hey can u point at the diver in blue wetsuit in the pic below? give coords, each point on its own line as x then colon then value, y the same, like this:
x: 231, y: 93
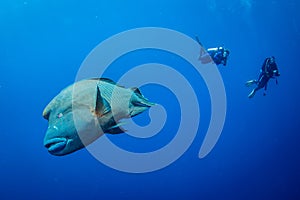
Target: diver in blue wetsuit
x: 268, y: 70
x: 218, y: 54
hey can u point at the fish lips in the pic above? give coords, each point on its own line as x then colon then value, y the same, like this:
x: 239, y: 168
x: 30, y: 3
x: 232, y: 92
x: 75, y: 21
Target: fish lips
x: 56, y: 146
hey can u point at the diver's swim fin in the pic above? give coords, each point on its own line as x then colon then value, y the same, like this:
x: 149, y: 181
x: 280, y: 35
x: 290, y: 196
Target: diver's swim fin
x: 197, y: 39
x: 252, y: 93
x: 251, y: 82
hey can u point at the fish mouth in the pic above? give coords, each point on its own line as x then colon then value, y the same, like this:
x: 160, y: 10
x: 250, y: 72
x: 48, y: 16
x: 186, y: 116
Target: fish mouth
x: 56, y: 145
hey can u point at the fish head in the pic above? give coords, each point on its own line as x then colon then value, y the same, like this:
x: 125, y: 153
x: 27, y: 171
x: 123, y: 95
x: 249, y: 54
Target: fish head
x: 72, y: 121
x: 61, y: 136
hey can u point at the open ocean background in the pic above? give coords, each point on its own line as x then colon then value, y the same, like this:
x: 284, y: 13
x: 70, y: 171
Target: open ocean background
x: 43, y: 43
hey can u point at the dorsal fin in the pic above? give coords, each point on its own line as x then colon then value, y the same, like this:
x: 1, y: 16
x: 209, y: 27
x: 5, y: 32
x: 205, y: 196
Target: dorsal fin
x: 105, y: 80
x: 108, y: 81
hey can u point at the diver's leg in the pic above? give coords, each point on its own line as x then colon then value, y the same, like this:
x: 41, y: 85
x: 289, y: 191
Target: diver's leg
x: 202, y: 52
x: 260, y: 84
x: 260, y: 75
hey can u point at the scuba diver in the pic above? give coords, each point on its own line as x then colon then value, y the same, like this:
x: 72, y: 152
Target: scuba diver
x: 218, y: 54
x: 268, y: 70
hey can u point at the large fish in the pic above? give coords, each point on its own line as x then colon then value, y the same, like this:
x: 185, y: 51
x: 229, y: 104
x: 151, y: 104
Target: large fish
x: 84, y: 111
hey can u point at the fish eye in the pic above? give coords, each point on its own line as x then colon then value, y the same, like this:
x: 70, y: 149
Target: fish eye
x: 59, y: 115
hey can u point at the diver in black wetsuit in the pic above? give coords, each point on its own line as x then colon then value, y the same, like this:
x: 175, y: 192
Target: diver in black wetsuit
x: 218, y: 54
x: 268, y: 70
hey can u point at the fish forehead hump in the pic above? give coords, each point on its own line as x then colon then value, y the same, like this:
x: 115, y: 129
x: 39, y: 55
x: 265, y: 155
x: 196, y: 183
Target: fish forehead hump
x: 85, y: 92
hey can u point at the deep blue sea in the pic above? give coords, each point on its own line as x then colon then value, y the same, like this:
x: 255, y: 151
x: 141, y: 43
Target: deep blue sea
x: 44, y: 43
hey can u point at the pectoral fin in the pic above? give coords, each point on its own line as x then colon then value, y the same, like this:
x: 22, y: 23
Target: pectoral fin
x: 102, y: 106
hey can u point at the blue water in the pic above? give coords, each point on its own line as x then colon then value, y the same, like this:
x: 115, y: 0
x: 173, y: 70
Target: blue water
x: 43, y: 43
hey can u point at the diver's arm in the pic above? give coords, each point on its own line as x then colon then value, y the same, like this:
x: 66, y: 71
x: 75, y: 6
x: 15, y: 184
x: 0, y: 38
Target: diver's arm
x: 264, y: 69
x: 275, y: 70
x: 276, y: 73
